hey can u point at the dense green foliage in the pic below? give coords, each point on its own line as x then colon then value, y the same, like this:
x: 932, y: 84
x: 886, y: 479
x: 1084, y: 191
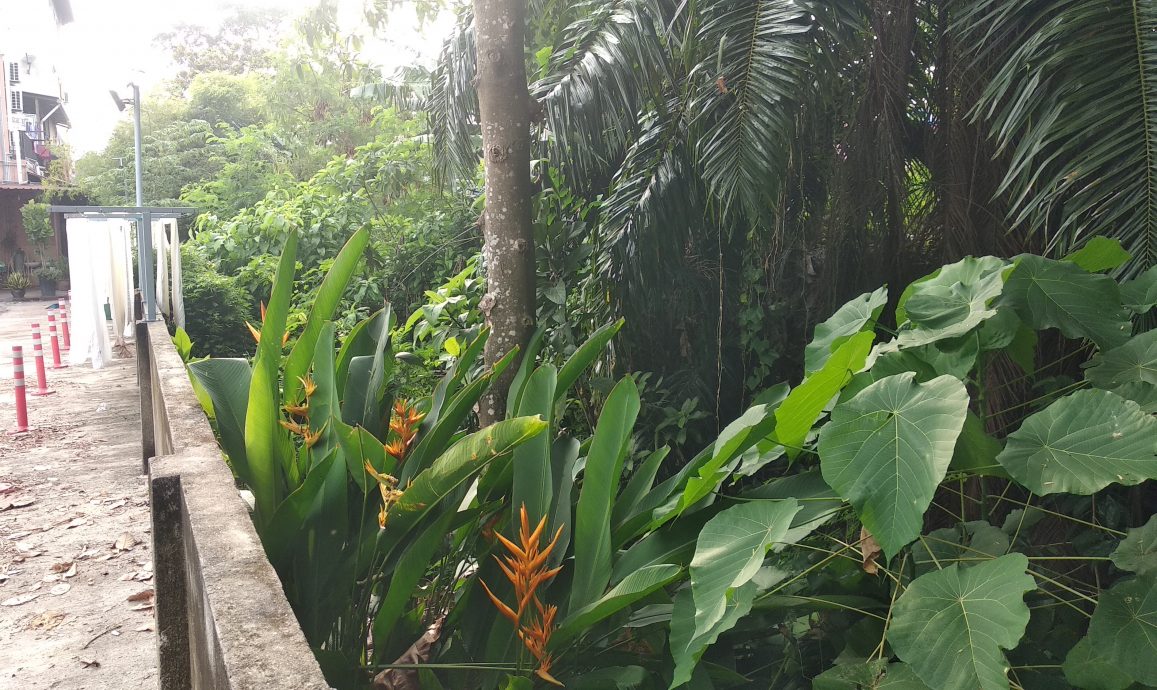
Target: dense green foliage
x: 216, y: 309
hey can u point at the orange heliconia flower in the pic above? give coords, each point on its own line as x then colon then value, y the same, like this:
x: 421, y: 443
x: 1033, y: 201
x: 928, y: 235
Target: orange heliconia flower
x: 525, y: 567
x: 308, y: 385
x: 404, y: 425
x: 388, y: 486
x: 256, y: 333
x: 293, y: 428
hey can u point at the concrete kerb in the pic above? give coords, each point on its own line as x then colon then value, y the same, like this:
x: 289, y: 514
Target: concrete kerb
x: 214, y: 584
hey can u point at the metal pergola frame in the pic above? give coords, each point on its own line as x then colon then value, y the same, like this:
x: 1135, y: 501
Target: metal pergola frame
x: 144, y: 216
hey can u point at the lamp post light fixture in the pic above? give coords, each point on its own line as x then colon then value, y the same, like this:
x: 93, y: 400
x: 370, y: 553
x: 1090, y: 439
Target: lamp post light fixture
x: 136, y: 103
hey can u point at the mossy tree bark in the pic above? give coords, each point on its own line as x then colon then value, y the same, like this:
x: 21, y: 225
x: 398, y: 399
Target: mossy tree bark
x: 504, y: 105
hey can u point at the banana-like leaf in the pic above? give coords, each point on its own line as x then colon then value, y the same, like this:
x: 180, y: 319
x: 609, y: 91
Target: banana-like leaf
x: 1082, y: 443
x: 950, y: 625
x: 729, y: 552
x: 325, y: 302
x: 641, y: 481
x: 525, y: 368
x: 1058, y: 294
x: 227, y: 383
x: 1122, y: 627
x: 857, y: 315
x: 804, y: 404
x: 411, y: 566
x: 533, y: 481
x: 582, y: 358
x: 632, y: 588
x: 751, y: 427
x: 460, y: 462
x: 359, y: 446
x: 283, y: 534
x: 1133, y: 362
x: 266, y: 444
x: 887, y: 449
x: 361, y: 342
x: 324, y: 406
x: 604, y: 468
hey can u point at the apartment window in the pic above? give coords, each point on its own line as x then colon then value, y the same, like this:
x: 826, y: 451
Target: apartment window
x: 17, y: 101
x: 14, y: 72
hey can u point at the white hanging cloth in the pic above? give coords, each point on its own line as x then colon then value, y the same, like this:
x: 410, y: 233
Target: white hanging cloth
x: 89, y: 273
x: 161, y: 247
x: 175, y: 269
x: 120, y: 292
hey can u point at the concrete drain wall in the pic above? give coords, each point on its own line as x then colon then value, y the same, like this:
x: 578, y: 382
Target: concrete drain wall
x: 222, y: 618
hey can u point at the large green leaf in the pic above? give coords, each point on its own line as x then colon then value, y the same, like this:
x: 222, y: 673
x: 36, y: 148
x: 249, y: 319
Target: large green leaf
x: 1100, y: 254
x: 640, y: 583
x: 533, y: 483
x: 324, y: 404
x: 741, y: 434
x: 796, y: 415
x: 1086, y: 669
x: 604, y: 468
x: 730, y: 550
x: 688, y: 644
x: 857, y: 315
x: 950, y: 625
x: 1137, y: 552
x: 887, y: 449
x: 265, y: 442
x: 1124, y: 628
x: 361, y: 342
x: 629, y: 499
x: 968, y: 543
x: 953, y: 301
x: 461, y: 461
x: 869, y: 675
x: 976, y: 450
x: 321, y: 310
x: 409, y: 569
x: 1082, y: 443
x: 1058, y: 294
x: 1135, y: 361
x: 227, y: 383
x: 1140, y: 294
x: 582, y: 358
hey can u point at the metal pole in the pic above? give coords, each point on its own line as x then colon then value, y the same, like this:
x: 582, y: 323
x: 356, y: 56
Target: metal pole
x: 137, y: 141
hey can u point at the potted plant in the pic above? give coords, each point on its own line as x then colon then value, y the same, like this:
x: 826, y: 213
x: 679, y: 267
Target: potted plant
x: 17, y: 283
x: 49, y: 273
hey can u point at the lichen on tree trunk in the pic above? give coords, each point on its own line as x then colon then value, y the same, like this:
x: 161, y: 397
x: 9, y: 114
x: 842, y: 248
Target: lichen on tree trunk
x: 504, y: 105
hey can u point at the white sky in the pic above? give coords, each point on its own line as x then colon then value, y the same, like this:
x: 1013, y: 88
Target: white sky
x: 110, y: 43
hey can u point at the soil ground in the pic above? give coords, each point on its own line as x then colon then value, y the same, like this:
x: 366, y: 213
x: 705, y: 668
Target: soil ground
x: 75, y: 565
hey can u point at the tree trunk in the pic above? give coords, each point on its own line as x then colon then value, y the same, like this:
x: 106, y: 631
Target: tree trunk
x: 504, y: 105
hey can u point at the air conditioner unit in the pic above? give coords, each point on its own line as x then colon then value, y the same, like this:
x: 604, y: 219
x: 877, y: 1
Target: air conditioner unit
x: 17, y: 101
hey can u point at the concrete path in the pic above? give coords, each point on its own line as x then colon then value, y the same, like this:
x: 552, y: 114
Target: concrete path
x: 75, y: 568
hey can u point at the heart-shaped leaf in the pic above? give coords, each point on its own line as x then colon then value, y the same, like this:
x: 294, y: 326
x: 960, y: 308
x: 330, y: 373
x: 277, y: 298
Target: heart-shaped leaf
x: 1137, y: 552
x: 848, y: 320
x: 1082, y: 443
x: 887, y: 449
x: 1133, y: 362
x: 1124, y: 628
x: 950, y: 625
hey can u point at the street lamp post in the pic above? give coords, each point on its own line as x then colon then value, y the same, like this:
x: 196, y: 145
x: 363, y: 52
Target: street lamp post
x: 144, y: 224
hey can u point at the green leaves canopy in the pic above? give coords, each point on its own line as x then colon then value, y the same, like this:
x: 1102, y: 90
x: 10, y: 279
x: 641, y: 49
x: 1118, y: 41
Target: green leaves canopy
x: 1124, y: 628
x: 950, y: 625
x: 850, y: 319
x: 887, y: 449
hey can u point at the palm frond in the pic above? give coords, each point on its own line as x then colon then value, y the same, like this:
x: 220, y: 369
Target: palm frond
x: 453, y: 105
x: 610, y: 62
x: 749, y: 81
x: 1074, y: 106
x: 653, y: 204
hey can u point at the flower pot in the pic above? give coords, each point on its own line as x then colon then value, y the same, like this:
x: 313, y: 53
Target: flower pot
x: 17, y: 294
x: 48, y: 287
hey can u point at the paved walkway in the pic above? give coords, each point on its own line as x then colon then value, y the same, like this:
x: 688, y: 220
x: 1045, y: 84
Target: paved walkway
x: 75, y: 569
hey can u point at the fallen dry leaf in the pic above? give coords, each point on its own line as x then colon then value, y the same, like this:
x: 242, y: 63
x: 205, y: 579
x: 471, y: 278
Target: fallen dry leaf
x: 143, y: 595
x: 88, y: 662
x: 20, y: 599
x: 125, y: 542
x: 147, y: 627
x: 62, y: 588
x: 22, y: 503
x: 77, y: 522
x: 141, y: 607
x: 5, y: 487
x: 869, y: 550
x: 45, y: 621
x: 63, y: 567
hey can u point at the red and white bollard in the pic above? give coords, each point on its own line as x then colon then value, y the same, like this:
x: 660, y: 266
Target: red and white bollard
x: 18, y: 381
x: 55, y: 344
x: 64, y: 325
x: 38, y: 355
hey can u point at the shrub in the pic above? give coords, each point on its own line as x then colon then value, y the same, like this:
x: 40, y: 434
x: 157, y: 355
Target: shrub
x: 215, y: 308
